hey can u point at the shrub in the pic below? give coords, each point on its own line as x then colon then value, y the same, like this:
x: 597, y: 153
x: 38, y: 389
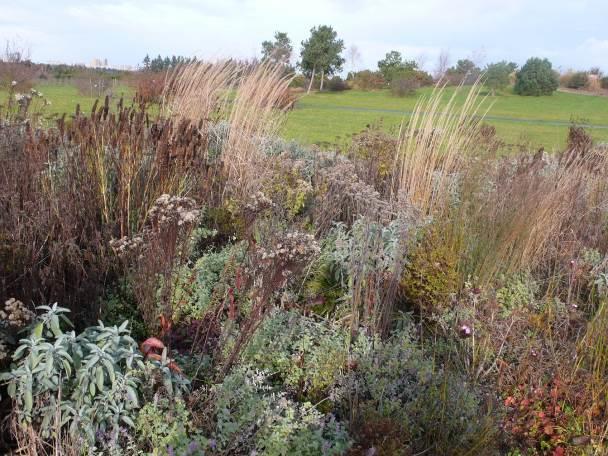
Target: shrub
x: 166, y: 428
x: 393, y: 380
x: 336, y: 84
x: 430, y: 277
x: 251, y: 416
x: 536, y: 78
x: 578, y: 80
x: 87, y: 384
x: 307, y: 356
x: 368, y: 80
x: 464, y: 72
x: 372, y: 152
x: 298, y: 82
x: 403, y: 85
x: 89, y: 381
x: 119, y: 304
x: 497, y: 75
x: 192, y: 297
x: 518, y: 292
x: 604, y: 82
x: 149, y: 87
x: 370, y: 259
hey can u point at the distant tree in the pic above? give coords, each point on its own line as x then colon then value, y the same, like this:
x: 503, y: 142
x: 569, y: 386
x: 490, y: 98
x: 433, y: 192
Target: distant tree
x: 393, y: 64
x: 464, y: 72
x: 15, y: 51
x: 353, y: 56
x: 443, y: 62
x: 497, y: 75
x: 146, y: 62
x: 279, y: 50
x: 536, y: 78
x: 321, y: 52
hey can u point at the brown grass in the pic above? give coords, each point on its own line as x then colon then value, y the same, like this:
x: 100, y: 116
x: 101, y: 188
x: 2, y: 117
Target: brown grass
x: 432, y: 147
x: 249, y: 97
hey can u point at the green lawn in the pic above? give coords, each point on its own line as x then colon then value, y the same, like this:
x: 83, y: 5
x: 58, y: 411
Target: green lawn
x: 332, y: 117
x: 64, y: 98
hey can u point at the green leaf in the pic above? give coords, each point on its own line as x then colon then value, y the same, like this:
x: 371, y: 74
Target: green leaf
x: 38, y: 330
x: 100, y: 378
x: 28, y: 400
x: 128, y: 421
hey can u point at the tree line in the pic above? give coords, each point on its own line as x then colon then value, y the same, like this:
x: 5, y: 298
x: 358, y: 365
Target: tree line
x: 323, y: 55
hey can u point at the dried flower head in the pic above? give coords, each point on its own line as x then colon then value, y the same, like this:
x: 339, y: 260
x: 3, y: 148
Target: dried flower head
x: 15, y: 314
x: 168, y: 210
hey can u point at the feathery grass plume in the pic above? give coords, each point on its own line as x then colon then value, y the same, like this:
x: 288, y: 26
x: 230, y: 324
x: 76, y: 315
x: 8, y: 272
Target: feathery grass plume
x: 249, y: 97
x: 199, y: 91
x: 255, y: 116
x: 432, y: 145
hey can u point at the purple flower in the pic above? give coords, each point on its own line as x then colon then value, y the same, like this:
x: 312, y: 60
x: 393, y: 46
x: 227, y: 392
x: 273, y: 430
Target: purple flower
x: 465, y: 331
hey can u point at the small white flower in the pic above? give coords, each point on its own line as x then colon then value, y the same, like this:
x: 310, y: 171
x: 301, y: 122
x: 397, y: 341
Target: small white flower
x: 14, y: 83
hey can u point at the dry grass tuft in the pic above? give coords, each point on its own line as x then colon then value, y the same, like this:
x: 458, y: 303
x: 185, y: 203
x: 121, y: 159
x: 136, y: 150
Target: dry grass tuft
x: 432, y: 146
x: 523, y: 215
x: 249, y: 97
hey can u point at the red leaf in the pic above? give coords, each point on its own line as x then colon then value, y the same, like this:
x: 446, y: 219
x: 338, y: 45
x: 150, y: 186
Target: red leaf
x: 150, y: 344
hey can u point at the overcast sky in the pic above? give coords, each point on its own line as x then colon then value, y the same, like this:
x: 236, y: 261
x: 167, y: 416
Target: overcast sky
x: 572, y: 33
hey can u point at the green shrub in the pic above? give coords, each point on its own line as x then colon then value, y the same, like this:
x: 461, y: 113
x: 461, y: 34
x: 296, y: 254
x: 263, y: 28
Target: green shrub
x: 166, y: 428
x: 306, y: 356
x: 430, y: 277
x: 87, y: 382
x: 536, y: 78
x: 119, y: 305
x: 90, y: 380
x: 192, y: 296
x: 251, y: 416
x: 434, y: 409
x: 497, y: 75
x: 518, y: 292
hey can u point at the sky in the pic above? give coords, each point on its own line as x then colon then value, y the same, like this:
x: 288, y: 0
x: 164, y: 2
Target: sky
x: 571, y: 33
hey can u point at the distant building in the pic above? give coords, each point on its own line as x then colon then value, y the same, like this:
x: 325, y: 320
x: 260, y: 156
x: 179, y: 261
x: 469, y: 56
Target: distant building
x: 103, y: 63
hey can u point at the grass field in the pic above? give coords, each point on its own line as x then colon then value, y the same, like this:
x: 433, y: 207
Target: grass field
x: 65, y: 97
x: 332, y: 117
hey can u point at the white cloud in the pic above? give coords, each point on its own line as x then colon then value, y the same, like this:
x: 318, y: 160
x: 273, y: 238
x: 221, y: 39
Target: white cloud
x: 125, y: 30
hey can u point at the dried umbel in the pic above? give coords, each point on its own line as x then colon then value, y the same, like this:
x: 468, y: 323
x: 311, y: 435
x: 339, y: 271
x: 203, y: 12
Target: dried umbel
x: 294, y: 247
x: 258, y: 202
x: 13, y: 317
x: 169, y: 210
x: 15, y: 314
x: 127, y: 245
